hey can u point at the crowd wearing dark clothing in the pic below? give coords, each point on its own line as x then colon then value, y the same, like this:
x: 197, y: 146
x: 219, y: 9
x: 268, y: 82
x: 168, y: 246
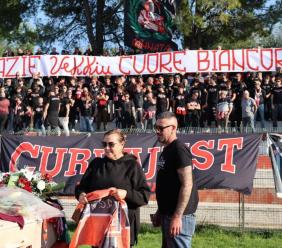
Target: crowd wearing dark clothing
x: 88, y: 104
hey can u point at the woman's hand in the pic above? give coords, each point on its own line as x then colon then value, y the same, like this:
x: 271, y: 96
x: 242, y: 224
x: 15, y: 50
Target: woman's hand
x: 82, y: 198
x: 119, y: 194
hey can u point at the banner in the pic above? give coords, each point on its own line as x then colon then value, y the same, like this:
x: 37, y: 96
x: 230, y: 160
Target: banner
x: 268, y: 59
x: 220, y: 161
x: 275, y: 150
x: 148, y: 25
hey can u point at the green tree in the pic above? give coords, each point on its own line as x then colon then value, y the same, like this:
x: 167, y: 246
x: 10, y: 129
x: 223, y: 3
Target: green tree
x: 274, y: 40
x: 11, y: 15
x: 72, y: 21
x: 15, y: 32
x: 229, y: 23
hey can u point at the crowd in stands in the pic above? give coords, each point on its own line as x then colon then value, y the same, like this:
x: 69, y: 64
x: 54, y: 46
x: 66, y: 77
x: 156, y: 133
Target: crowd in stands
x: 88, y: 104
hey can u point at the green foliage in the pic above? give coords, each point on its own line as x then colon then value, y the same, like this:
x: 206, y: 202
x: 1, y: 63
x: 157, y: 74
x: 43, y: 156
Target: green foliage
x: 14, y: 31
x: 274, y: 40
x: 201, y: 23
x: 11, y: 15
x: 231, y: 23
x: 23, y: 37
x: 66, y: 21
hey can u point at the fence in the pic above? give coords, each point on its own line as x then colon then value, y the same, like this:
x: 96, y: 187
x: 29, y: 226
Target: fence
x: 262, y: 209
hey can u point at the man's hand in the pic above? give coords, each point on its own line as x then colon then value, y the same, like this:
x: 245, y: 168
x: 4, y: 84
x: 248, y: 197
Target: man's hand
x: 175, y: 225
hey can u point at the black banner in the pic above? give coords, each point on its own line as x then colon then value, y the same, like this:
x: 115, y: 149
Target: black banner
x: 148, y: 25
x: 220, y: 161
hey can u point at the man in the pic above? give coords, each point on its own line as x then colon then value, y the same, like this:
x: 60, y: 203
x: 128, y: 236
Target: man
x: 276, y: 98
x: 259, y: 95
x: 249, y: 109
x: 176, y: 192
x: 239, y: 87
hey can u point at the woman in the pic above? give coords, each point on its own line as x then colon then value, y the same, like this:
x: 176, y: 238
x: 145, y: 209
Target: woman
x: 121, y: 172
x: 4, y: 109
x: 102, y: 109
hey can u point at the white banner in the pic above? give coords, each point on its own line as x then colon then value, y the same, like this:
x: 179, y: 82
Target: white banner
x: 264, y: 59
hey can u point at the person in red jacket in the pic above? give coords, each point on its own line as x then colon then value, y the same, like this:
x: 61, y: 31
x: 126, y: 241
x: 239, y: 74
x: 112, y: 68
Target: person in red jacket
x: 120, y: 172
x: 4, y: 109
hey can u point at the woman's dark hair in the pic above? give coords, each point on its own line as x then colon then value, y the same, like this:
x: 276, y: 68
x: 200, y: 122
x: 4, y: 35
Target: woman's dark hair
x: 118, y: 132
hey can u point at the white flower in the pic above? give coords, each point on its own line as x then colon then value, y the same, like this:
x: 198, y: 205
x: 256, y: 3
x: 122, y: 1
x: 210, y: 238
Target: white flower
x: 41, y: 185
x: 27, y: 173
x: 36, y: 176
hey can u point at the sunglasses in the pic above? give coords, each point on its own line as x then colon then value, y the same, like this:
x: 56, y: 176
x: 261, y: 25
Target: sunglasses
x: 161, y: 128
x: 108, y: 144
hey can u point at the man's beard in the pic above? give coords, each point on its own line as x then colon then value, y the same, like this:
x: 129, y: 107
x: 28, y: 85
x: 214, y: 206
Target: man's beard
x: 161, y: 139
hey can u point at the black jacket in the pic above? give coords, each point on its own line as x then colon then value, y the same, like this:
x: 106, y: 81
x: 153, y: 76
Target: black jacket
x: 124, y: 173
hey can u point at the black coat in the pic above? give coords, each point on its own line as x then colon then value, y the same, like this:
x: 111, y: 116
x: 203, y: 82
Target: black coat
x: 124, y: 173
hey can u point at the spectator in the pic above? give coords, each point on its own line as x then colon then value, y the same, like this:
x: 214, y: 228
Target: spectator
x: 19, y: 111
x: 51, y: 110
x: 102, y: 109
x: 73, y: 110
x: 249, y: 108
x: 109, y: 88
x: 20, y: 52
x: 38, y: 51
x: 194, y: 110
x: 239, y: 87
x: 88, y: 52
x: 267, y: 87
x: 54, y: 51
x: 118, y: 98
x: 77, y: 51
x: 85, y: 106
x: 162, y: 102
x: 4, y: 110
x: 212, y: 101
x: 9, y: 88
x: 149, y: 115
x: 127, y: 112
x: 64, y: 111
x: 259, y: 95
x: 180, y: 106
x: 277, y: 102
x: 27, y: 52
x: 8, y: 53
x: 138, y: 100
x: 38, y: 110
x: 223, y: 110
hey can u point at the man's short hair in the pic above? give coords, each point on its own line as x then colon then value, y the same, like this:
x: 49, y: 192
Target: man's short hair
x: 166, y: 115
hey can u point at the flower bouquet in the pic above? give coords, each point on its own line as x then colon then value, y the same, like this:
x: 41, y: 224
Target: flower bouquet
x: 35, y: 182
x: 15, y: 201
x: 27, y: 193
